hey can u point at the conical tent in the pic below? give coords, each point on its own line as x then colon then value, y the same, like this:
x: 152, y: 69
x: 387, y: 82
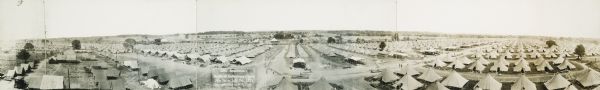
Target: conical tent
x: 544, y: 65
x: 436, y: 86
x: 437, y: 63
x: 321, y: 84
x: 493, y: 55
x: 571, y: 87
x: 430, y: 75
x: 521, y: 65
x: 557, y: 82
x: 457, y: 64
x: 466, y: 60
x: 455, y: 80
x: 589, y: 77
x: 477, y: 66
x: 499, y: 66
x: 388, y: 75
x: 522, y: 60
x: 523, y: 84
x: 508, y: 55
x: 408, y: 69
x: 483, y: 61
x: 408, y: 83
x: 539, y: 61
x: 489, y: 83
x: 559, y: 60
x: 286, y: 84
x: 566, y: 65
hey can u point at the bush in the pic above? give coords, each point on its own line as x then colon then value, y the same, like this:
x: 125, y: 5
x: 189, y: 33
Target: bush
x: 23, y: 55
x: 580, y: 51
x: 28, y: 46
x: 551, y: 43
x: 76, y: 44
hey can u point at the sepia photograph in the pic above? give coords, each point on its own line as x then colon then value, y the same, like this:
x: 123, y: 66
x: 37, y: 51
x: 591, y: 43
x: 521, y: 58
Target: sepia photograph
x: 299, y: 44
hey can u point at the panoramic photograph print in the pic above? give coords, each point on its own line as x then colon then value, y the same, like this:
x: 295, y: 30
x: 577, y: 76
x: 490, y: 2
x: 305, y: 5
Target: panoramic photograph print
x: 299, y: 44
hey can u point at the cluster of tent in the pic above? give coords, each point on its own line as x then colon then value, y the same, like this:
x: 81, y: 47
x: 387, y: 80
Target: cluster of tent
x: 521, y: 65
x: 227, y: 53
x: 586, y: 78
x: 18, y: 70
x: 332, y: 52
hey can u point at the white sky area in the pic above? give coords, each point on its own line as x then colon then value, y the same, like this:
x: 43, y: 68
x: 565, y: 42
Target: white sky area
x: 75, y: 18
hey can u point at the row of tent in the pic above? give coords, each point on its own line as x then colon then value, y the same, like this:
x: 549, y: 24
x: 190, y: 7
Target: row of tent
x: 521, y: 65
x: 18, y: 70
x: 586, y: 78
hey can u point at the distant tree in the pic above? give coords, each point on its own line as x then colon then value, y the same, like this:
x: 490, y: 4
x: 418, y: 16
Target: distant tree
x: 381, y: 46
x: 301, y: 40
x: 23, y: 55
x: 157, y: 41
x: 395, y: 37
x: 551, y: 43
x: 76, y: 44
x: 330, y: 40
x: 580, y: 51
x: 129, y: 43
x: 28, y: 46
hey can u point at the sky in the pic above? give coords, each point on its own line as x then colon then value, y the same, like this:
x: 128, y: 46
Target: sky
x: 76, y: 18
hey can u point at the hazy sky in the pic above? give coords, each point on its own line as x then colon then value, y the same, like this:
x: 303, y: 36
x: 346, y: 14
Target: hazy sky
x: 65, y: 18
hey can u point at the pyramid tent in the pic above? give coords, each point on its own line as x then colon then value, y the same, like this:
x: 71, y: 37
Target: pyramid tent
x: 523, y: 84
x: 557, y: 82
x: 454, y: 80
x: 544, y: 65
x: 589, y: 77
x: 508, y: 55
x: 559, y: 60
x: 499, y: 66
x: 285, y: 84
x: 522, y: 60
x: 448, y: 58
x: 571, y: 87
x: 456, y: 64
x: 521, y: 65
x: 476, y: 66
x: 430, y: 75
x: 466, y: 60
x: 436, y: 86
x: 483, y: 61
x: 321, y: 84
x: 388, y: 75
x: 408, y: 69
x: 493, y: 55
x: 489, y: 83
x: 550, y: 55
x: 408, y: 83
x: 536, y: 54
x: 566, y: 65
x: 362, y: 85
x: 539, y: 61
x: 521, y: 55
x: 437, y: 63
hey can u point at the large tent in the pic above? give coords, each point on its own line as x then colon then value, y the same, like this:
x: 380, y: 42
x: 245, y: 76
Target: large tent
x: 588, y: 78
x: 543, y: 65
x: 559, y: 60
x: 500, y: 65
x: 430, y: 75
x: 455, y: 80
x: 566, y: 65
x: 408, y: 70
x: 521, y: 66
x: 557, y: 82
x: 321, y: 84
x: 523, y: 84
x: 456, y: 64
x: 388, y: 76
x: 477, y: 66
x: 489, y: 83
x: 437, y: 63
x: 408, y: 83
x: 436, y: 86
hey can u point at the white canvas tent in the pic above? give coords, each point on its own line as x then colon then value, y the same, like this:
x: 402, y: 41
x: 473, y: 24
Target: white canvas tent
x: 408, y: 83
x: 454, y: 80
x: 557, y: 82
x: 523, y: 83
x: 430, y: 75
x: 489, y: 83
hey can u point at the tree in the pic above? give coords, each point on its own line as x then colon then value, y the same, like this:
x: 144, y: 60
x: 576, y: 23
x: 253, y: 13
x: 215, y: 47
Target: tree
x: 551, y: 43
x: 330, y: 40
x: 395, y: 37
x: 129, y: 43
x: 23, y: 55
x: 76, y: 44
x: 381, y: 46
x: 580, y: 51
x: 157, y: 41
x: 28, y: 46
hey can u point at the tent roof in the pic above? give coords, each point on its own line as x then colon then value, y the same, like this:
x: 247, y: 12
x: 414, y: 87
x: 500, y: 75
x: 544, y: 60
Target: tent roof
x: 409, y: 83
x: 523, y: 84
x: 243, y: 60
x: 477, y: 65
x: 388, y: 75
x: 436, y: 86
x: 298, y: 60
x: 456, y: 64
x: 566, y: 64
x: 488, y: 82
x: 558, y: 81
x: 321, y: 84
x: 430, y: 75
x: 437, y: 63
x: 408, y: 69
x: 131, y: 63
x: 455, y: 80
x: 522, y: 65
x: 180, y: 82
x: 52, y: 82
x: 589, y: 77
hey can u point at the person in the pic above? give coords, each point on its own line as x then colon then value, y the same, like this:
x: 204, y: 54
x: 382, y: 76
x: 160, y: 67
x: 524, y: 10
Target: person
x: 20, y: 83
